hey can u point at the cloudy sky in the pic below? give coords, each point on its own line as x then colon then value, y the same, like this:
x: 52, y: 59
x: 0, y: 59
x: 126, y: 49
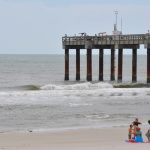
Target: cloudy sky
x: 36, y: 26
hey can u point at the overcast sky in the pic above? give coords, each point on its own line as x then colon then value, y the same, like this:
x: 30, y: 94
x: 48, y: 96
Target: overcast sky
x: 36, y: 26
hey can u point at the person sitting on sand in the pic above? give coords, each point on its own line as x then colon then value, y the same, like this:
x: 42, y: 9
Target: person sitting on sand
x: 148, y: 132
x: 130, y: 132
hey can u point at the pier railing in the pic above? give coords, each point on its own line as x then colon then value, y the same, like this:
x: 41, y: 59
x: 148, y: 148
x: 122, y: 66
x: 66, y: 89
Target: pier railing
x: 106, y: 40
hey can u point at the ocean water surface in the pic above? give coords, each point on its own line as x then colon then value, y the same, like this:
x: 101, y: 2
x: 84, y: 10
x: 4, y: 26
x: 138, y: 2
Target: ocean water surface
x: 34, y: 95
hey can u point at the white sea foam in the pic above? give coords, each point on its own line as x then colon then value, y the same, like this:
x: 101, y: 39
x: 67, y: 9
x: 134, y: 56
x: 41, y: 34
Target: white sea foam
x: 97, y: 116
x: 81, y: 86
x: 79, y: 104
x: 58, y: 96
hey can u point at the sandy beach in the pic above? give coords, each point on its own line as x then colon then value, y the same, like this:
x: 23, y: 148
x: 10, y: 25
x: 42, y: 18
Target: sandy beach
x: 81, y: 139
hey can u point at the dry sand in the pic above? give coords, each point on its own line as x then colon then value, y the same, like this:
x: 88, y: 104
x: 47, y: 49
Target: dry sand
x: 81, y: 139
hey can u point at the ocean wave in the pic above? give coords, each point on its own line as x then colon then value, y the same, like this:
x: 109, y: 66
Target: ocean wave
x: 132, y: 85
x: 110, y: 117
x: 80, y: 86
x: 92, y: 91
x: 77, y: 98
x: 79, y: 104
x: 29, y: 87
x: 97, y: 116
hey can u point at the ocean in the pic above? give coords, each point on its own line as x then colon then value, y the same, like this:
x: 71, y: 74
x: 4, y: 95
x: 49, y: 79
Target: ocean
x: 35, y: 97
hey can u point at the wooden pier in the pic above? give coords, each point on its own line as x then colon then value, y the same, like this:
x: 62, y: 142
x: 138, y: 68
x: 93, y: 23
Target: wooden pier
x: 102, y: 42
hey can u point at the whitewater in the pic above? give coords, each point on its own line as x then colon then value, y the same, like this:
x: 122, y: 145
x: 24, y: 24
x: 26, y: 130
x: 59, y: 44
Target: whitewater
x: 72, y: 106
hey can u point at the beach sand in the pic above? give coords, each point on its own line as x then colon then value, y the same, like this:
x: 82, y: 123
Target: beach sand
x: 81, y: 139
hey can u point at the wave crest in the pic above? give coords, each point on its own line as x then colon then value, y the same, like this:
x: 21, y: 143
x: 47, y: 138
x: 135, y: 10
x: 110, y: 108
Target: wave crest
x: 80, y: 86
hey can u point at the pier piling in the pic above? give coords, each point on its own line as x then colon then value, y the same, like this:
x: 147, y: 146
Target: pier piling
x: 77, y: 64
x: 112, y: 76
x: 134, y: 65
x: 66, y: 64
x: 89, y: 65
x: 101, y: 64
x: 120, y: 60
x: 148, y: 65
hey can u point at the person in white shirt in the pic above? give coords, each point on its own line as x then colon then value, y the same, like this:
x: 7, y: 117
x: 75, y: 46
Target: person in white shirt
x: 148, y: 132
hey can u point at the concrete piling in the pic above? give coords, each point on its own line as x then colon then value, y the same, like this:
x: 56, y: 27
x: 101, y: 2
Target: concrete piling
x: 77, y: 64
x: 89, y: 64
x: 120, y: 62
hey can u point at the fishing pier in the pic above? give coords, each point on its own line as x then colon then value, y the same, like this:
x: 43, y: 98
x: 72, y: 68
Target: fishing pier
x: 102, y: 42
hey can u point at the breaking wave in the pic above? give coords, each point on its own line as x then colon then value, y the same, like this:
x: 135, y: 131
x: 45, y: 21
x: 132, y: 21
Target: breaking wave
x: 29, y: 87
x: 81, y: 86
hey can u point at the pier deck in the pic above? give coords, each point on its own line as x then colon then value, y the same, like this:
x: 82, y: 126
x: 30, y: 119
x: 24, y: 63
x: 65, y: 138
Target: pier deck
x: 108, y: 41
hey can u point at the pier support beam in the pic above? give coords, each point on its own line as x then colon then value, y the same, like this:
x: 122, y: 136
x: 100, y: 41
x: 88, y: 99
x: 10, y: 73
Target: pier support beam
x: 148, y: 65
x: 77, y: 64
x: 134, y: 65
x: 101, y: 65
x: 120, y: 60
x: 66, y: 64
x: 89, y: 65
x: 112, y: 76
